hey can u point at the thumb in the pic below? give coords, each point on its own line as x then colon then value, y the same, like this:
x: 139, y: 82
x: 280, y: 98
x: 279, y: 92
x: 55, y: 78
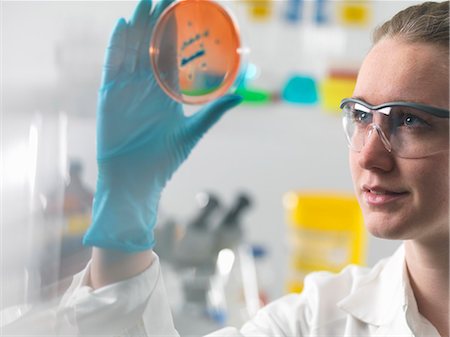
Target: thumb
x: 206, y: 117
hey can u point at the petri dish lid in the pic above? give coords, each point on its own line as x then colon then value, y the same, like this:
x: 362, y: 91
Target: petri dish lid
x: 195, y: 51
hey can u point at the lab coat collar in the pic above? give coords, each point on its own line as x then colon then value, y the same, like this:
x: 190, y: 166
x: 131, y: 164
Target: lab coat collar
x: 378, y: 296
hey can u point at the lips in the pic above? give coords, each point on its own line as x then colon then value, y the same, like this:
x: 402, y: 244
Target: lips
x: 379, y: 195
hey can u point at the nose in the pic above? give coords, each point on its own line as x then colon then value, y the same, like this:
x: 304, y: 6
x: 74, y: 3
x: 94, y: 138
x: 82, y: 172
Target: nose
x: 376, y: 128
x: 376, y: 152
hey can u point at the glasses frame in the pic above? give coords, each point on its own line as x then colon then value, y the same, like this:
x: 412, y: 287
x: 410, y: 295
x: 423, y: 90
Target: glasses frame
x: 432, y: 110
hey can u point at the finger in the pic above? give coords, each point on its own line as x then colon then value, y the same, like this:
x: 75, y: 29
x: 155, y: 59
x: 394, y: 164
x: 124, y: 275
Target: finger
x: 161, y: 7
x: 141, y: 14
x: 169, y: 34
x: 204, y: 119
x: 115, y: 52
x: 138, y: 25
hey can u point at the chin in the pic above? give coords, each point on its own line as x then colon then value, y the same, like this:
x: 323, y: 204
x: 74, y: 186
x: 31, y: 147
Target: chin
x: 384, y: 228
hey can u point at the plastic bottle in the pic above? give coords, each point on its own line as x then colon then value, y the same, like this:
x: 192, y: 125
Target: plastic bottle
x: 77, y: 213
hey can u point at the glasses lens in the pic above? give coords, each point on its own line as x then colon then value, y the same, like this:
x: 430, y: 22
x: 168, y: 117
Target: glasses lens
x: 416, y: 134
x: 356, y: 120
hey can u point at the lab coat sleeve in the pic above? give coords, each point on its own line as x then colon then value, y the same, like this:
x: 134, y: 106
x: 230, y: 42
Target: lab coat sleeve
x: 139, y: 307
x: 134, y: 307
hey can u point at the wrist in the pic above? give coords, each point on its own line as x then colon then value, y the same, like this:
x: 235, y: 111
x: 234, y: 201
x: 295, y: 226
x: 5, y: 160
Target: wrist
x: 123, y: 218
x: 111, y: 266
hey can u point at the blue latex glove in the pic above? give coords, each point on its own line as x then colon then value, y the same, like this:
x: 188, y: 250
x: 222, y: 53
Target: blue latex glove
x: 142, y: 137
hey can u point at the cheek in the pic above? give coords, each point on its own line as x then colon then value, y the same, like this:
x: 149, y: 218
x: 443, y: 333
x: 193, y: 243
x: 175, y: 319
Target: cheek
x: 431, y: 184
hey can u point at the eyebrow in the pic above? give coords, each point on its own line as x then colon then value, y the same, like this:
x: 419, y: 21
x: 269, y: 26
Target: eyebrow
x: 361, y: 98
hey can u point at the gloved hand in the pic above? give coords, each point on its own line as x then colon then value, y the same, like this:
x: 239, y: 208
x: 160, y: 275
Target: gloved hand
x: 142, y: 137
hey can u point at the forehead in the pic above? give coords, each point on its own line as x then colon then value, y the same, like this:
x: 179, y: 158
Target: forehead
x: 396, y: 70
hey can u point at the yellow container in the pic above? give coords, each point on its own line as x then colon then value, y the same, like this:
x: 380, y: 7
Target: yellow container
x: 260, y: 9
x: 333, y: 90
x: 326, y: 233
x: 355, y: 13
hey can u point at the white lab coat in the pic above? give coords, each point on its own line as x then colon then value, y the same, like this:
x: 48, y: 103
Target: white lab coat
x: 357, y: 302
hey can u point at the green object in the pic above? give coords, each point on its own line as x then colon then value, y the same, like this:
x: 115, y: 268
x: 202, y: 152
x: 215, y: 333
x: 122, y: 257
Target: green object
x: 254, y: 96
x: 300, y: 90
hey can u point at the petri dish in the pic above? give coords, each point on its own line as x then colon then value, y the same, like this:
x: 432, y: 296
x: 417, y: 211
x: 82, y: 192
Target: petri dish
x: 195, y: 51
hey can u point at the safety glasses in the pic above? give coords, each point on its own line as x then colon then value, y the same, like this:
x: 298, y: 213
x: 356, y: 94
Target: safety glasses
x: 408, y: 130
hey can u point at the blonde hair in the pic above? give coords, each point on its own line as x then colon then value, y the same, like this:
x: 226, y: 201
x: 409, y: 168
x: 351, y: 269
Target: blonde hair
x: 427, y: 22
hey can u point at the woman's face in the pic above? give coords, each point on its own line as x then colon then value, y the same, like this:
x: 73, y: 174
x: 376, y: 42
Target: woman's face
x: 403, y: 198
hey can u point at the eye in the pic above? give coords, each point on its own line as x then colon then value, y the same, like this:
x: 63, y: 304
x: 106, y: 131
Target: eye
x: 363, y: 117
x: 411, y: 121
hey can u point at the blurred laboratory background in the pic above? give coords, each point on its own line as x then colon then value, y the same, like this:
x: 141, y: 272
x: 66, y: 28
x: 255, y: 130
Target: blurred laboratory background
x: 267, y: 189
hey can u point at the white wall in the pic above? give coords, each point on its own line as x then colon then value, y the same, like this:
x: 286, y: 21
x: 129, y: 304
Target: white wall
x: 265, y: 150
